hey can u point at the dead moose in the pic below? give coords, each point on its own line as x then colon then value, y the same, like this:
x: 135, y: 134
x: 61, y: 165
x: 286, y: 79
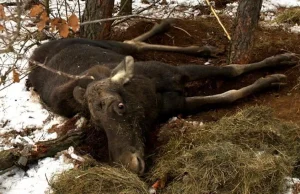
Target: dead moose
x: 124, y: 97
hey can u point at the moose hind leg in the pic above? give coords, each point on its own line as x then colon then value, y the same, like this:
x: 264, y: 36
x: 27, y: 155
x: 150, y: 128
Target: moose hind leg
x: 197, y: 72
x: 192, y: 104
x: 141, y: 46
x: 162, y: 27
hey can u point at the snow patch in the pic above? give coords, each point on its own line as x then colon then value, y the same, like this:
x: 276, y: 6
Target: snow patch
x: 35, y: 180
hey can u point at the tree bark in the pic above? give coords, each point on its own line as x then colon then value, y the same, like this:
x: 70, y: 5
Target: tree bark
x: 245, y: 25
x: 126, y: 7
x: 97, y: 9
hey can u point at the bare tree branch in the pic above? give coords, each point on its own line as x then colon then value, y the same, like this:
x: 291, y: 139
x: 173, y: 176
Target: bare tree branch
x: 109, y: 19
x: 75, y: 77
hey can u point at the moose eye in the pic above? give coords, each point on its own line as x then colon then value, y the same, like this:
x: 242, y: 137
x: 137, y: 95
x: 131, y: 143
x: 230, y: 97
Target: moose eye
x: 121, y: 106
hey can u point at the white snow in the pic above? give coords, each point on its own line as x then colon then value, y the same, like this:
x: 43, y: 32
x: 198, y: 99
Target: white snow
x: 35, y: 180
x: 269, y: 5
x: 21, y: 110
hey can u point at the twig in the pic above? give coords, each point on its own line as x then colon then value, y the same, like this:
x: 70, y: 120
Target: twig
x: 171, y: 11
x: 24, y: 75
x: 66, y: 9
x: 140, y: 11
x: 9, y: 47
x: 182, y: 30
x: 75, y: 77
x: 58, y: 9
x: 109, y: 19
x: 121, y: 9
x: 213, y: 11
x: 79, y: 14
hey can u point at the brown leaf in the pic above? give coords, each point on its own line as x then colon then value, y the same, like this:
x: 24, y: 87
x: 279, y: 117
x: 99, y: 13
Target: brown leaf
x: 16, y: 76
x: 56, y: 22
x: 44, y: 16
x: 41, y: 25
x: 36, y: 10
x: 74, y: 22
x: 1, y: 27
x: 2, y: 13
x: 64, y: 30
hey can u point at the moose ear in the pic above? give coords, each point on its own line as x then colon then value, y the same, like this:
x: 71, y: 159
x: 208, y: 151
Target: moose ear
x: 78, y: 94
x: 124, y: 71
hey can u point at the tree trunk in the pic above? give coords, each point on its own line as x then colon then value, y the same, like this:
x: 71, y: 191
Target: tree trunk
x: 94, y: 10
x: 245, y: 25
x: 126, y: 7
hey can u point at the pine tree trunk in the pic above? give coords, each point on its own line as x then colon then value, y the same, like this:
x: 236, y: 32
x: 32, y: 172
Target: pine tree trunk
x: 94, y: 10
x: 245, y: 25
x: 126, y: 7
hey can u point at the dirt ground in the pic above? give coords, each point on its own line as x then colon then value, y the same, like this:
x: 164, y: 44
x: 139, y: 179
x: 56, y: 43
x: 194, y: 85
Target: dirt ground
x: 285, y: 101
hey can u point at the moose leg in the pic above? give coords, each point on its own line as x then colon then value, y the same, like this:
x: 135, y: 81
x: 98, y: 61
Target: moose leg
x: 193, y: 104
x: 204, y: 51
x: 164, y: 26
x: 197, y: 72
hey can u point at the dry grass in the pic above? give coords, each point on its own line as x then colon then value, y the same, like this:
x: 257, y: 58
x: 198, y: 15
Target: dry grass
x: 100, y: 179
x: 290, y: 15
x: 250, y: 152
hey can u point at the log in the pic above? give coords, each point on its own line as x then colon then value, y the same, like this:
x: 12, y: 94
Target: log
x: 23, y: 155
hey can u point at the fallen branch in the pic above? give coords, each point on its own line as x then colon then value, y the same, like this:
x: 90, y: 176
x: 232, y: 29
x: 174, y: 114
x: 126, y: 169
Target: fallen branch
x: 31, y: 153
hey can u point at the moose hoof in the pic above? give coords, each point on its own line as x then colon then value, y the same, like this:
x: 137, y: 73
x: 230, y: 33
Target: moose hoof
x: 288, y: 59
x: 272, y: 80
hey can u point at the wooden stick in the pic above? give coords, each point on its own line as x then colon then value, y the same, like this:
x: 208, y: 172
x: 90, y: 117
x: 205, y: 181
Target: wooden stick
x: 212, y: 9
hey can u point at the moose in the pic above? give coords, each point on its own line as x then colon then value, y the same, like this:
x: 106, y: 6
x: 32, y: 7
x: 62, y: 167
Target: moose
x: 125, y: 98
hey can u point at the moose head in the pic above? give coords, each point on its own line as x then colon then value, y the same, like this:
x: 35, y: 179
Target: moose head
x: 124, y: 104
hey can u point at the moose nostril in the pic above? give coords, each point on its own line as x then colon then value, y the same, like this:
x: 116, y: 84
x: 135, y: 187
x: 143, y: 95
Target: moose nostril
x: 141, y: 164
x: 137, y: 164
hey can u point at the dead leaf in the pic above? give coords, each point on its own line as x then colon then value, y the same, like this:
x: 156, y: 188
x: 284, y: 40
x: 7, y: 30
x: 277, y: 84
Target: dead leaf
x: 36, y: 10
x: 2, y: 13
x: 73, y: 22
x: 56, y: 22
x: 41, y: 25
x: 16, y: 76
x: 44, y: 16
x: 63, y: 30
x: 1, y: 27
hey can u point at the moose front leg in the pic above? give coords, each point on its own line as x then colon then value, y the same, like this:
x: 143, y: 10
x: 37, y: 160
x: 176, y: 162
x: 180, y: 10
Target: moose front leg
x: 192, y: 104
